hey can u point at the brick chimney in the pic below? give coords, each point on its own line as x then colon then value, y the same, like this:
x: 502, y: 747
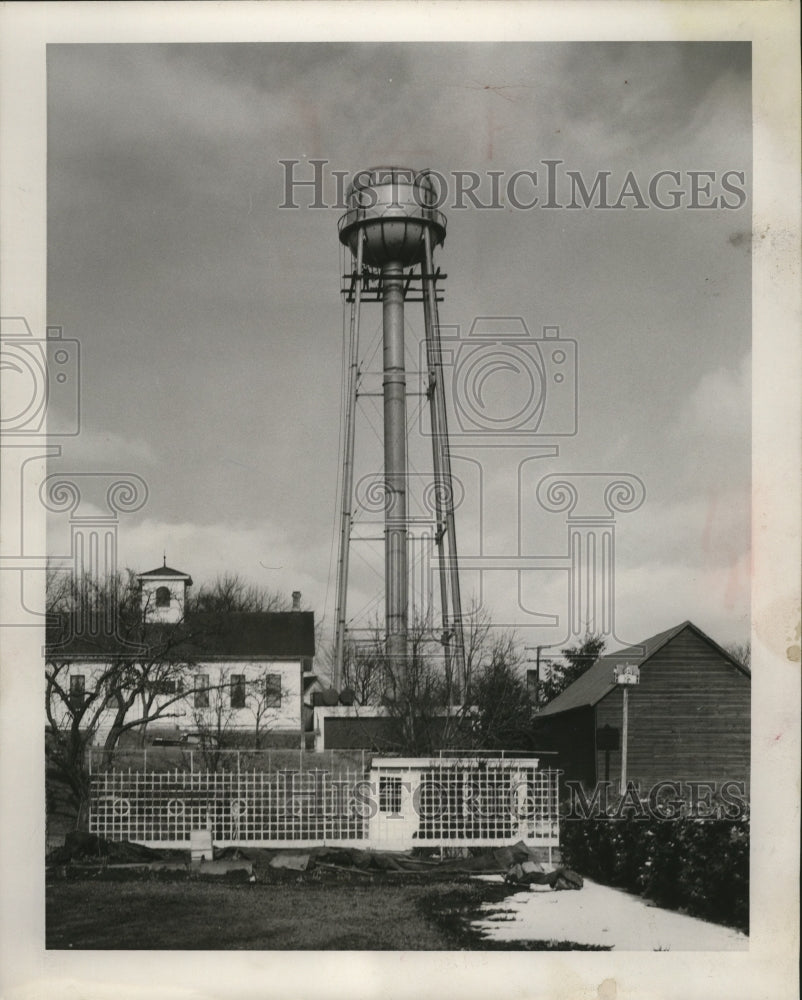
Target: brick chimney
x: 296, y: 600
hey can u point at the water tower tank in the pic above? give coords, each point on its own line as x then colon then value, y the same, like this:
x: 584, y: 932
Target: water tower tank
x: 393, y: 206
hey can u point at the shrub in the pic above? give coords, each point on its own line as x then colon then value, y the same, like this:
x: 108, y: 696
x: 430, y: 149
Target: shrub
x: 698, y: 866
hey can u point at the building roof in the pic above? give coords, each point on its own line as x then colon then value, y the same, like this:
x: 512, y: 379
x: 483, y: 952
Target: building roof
x: 166, y: 570
x: 270, y: 634
x: 287, y: 634
x: 597, y: 681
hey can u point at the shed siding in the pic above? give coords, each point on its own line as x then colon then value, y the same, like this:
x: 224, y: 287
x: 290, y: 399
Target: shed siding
x: 689, y: 718
x: 569, y: 735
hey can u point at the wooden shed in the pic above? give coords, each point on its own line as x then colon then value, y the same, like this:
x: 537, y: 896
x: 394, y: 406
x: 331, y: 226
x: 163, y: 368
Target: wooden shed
x: 689, y: 717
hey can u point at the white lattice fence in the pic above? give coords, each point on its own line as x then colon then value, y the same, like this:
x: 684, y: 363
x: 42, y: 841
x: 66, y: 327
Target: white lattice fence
x: 490, y: 806
x: 400, y: 805
x: 474, y: 802
x: 162, y: 808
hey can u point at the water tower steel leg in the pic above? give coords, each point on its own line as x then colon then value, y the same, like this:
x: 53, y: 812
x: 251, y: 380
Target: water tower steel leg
x: 445, y: 463
x: 395, y: 465
x: 440, y: 486
x: 348, y: 473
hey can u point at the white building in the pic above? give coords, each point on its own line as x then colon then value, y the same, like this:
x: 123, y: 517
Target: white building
x: 235, y: 677
x: 164, y: 594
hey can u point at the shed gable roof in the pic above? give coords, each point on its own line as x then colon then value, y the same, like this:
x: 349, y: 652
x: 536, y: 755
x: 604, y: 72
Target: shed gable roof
x: 596, y: 683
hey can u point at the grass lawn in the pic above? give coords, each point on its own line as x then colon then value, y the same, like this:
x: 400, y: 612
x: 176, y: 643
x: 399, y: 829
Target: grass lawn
x: 290, y: 914
x: 186, y: 915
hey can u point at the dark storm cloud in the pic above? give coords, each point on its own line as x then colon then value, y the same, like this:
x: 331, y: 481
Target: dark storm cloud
x: 647, y: 93
x: 210, y: 319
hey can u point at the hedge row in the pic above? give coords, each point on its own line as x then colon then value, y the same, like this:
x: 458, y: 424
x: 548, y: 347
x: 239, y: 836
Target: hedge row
x: 700, y: 867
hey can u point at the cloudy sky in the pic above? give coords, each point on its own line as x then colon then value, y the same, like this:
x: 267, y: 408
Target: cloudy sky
x: 210, y: 318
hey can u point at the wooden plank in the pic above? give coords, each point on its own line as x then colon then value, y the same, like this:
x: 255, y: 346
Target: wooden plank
x: 689, y: 717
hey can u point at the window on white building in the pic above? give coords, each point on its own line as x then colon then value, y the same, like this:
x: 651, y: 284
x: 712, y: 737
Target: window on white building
x: 390, y: 795
x: 202, y: 691
x: 77, y: 690
x: 238, y: 690
x: 162, y: 597
x: 273, y: 690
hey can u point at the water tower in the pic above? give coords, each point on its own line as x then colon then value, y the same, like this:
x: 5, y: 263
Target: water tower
x: 391, y: 228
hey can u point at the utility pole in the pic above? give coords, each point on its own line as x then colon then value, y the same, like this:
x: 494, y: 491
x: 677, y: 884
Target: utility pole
x: 535, y: 688
x: 625, y: 674
x: 624, y: 741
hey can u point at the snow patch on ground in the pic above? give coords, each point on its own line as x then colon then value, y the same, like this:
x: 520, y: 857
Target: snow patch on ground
x: 599, y: 915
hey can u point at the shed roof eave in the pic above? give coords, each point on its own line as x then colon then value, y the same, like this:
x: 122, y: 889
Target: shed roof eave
x: 588, y: 690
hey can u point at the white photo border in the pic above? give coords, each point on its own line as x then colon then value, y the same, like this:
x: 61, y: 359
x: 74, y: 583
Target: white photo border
x: 768, y: 968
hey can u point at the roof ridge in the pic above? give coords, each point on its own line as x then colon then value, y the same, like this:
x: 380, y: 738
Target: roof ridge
x: 164, y: 570
x: 589, y: 687
x: 646, y: 644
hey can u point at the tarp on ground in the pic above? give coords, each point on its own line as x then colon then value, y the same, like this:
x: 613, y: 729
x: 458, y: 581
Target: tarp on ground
x: 81, y: 846
x: 492, y: 861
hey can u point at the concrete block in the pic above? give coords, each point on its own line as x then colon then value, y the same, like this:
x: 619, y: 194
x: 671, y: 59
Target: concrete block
x: 200, y: 845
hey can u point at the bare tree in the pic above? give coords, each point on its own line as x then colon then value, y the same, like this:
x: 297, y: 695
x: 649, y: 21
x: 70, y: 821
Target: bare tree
x: 140, y: 669
x: 367, y: 674
x: 365, y: 669
x: 215, y: 719
x: 136, y: 677
x: 229, y: 593
x: 477, y: 638
x: 429, y: 709
x: 420, y: 694
x: 416, y: 696
x: 503, y: 717
x: 741, y: 652
x: 212, y: 717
